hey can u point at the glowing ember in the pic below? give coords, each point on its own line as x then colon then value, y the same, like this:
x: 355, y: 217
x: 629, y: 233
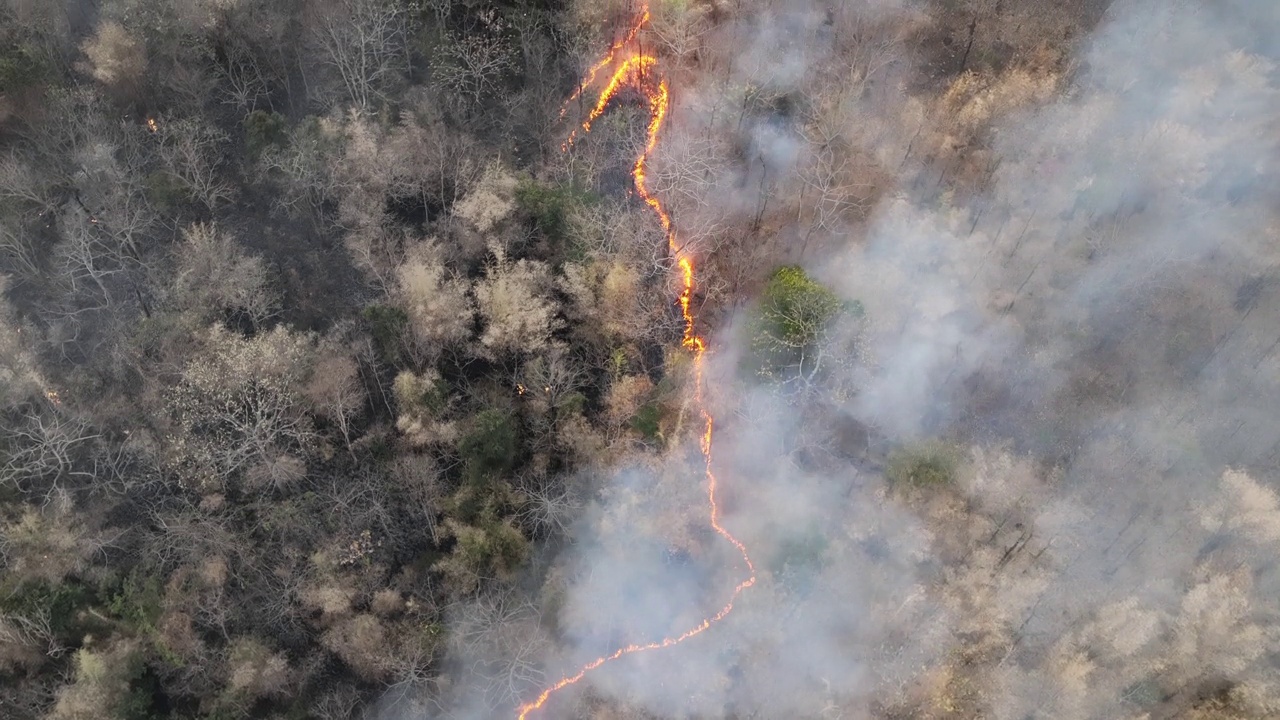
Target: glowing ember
x: 521, y: 389
x: 152, y: 125
x: 52, y: 395
x: 636, y: 72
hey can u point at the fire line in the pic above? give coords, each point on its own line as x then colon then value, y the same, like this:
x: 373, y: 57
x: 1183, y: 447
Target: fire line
x: 638, y: 72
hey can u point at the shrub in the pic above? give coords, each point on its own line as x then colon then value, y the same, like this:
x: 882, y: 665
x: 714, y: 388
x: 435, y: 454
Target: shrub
x: 166, y: 191
x: 489, y: 448
x: 21, y: 67
x: 492, y: 549
x: 648, y: 422
x: 924, y: 464
x: 264, y: 129
x: 64, y: 602
x: 139, y: 602
x: 801, y: 552
x: 387, y: 326
x: 548, y: 207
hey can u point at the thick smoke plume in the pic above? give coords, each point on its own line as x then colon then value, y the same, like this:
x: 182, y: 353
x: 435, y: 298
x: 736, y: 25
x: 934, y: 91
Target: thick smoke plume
x: 1081, y: 301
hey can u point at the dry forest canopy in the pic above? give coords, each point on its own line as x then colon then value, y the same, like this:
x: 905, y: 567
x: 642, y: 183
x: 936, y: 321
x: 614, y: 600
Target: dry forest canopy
x: 332, y: 387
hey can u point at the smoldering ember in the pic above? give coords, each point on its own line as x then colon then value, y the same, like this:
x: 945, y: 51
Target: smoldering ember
x: 627, y: 360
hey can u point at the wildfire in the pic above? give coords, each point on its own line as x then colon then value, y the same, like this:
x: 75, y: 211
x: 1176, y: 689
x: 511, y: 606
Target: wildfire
x: 607, y: 60
x: 52, y: 396
x: 637, y: 72
x: 152, y: 125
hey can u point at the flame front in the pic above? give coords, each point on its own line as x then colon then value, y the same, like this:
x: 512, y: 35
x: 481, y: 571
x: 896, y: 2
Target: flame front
x: 607, y: 60
x: 637, y: 72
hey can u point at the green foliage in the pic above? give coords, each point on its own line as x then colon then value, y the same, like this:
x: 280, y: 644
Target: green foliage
x: 804, y: 551
x: 420, y: 392
x: 64, y: 603
x: 166, y: 191
x: 1143, y: 693
x: 796, y: 307
x: 798, y: 558
x: 387, y: 326
x: 923, y: 464
x: 618, y: 362
x: 138, y: 603
x: 478, y: 504
x: 549, y: 207
x: 648, y: 421
x: 489, y: 549
x: 262, y: 130
x: 792, y: 320
x: 497, y: 545
x: 21, y: 67
x: 489, y: 448
x: 139, y: 703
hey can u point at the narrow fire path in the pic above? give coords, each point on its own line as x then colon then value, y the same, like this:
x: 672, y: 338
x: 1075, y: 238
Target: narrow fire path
x: 638, y: 71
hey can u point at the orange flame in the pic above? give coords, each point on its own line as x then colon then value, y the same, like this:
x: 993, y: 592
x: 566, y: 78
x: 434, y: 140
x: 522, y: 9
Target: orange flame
x: 635, y: 72
x: 607, y: 60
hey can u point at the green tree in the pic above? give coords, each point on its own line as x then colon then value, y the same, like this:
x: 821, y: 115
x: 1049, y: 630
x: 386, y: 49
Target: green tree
x: 789, y: 331
x: 262, y: 130
x: 923, y: 464
x: 21, y: 66
x: 489, y: 448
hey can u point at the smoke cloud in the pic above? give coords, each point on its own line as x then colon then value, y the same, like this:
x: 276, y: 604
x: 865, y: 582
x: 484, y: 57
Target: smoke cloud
x: 1090, y: 320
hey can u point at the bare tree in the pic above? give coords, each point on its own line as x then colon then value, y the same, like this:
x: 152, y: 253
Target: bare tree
x: 305, y: 168
x: 215, y: 275
x: 336, y: 393
x: 499, y: 635
x: 440, y: 309
x: 193, y: 152
x: 515, y: 301
x: 116, y: 58
x: 550, y: 507
x: 362, y: 42
x: 47, y: 447
x: 471, y: 65
x: 20, y: 376
x: 31, y: 630
x: 239, y: 404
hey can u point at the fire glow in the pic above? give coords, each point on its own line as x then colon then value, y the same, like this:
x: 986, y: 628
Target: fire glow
x: 638, y: 72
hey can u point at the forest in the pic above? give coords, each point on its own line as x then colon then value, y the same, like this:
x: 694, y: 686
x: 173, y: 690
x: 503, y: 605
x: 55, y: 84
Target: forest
x: 345, y: 375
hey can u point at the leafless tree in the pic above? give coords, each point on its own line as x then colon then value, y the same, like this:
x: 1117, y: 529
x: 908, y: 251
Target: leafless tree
x: 499, y: 635
x: 193, y: 152
x: 46, y: 450
x: 23, y: 183
x: 215, y: 274
x: 363, y: 41
x: 336, y: 393
x: 471, y: 65
x: 305, y: 169
x: 34, y: 629
x: 247, y: 82
x: 18, y: 247
x: 550, y: 507
x: 239, y: 405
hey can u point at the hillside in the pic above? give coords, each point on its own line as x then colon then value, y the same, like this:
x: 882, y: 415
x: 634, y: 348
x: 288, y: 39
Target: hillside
x: 738, y: 359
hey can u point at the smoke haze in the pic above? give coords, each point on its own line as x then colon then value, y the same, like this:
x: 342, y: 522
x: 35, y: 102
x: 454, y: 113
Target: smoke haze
x: 1088, y: 312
